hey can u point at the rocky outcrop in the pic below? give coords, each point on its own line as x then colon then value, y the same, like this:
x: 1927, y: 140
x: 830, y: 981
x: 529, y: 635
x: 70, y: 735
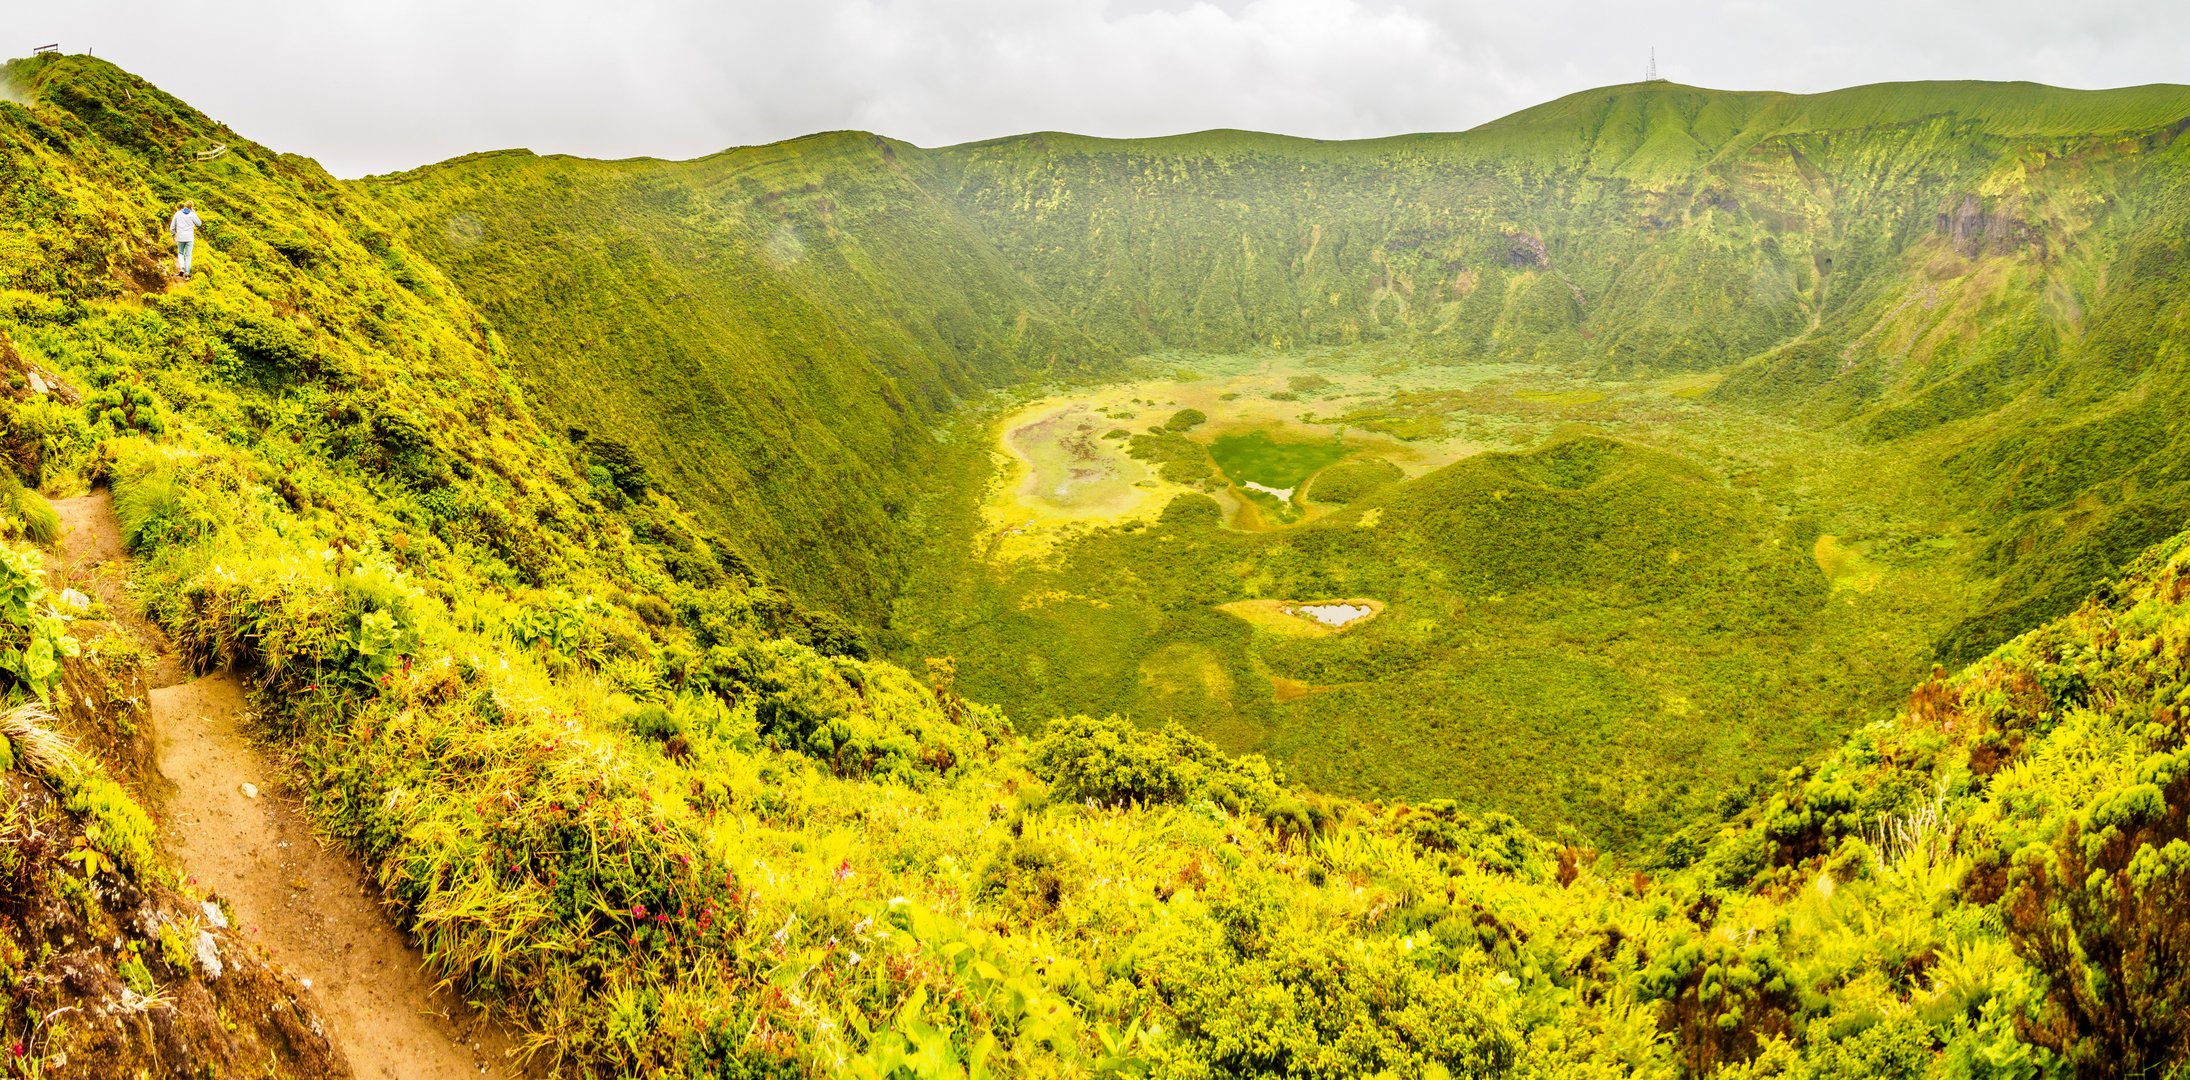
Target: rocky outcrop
x: 1525, y: 251
x: 1974, y: 227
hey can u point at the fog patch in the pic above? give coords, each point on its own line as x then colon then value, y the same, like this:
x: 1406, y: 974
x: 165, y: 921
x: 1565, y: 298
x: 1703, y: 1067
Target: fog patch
x: 464, y: 231
x: 784, y: 248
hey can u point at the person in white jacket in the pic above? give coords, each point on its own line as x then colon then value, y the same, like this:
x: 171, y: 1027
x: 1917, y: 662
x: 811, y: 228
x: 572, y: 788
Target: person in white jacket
x: 184, y: 228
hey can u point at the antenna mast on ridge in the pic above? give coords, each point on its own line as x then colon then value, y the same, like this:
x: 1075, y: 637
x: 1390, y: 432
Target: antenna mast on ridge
x: 1651, y: 75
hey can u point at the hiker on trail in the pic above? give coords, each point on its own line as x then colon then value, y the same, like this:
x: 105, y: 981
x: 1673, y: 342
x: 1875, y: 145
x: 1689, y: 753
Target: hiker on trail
x: 184, y: 227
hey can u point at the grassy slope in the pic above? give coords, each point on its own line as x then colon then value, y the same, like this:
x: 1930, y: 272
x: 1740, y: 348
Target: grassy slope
x: 775, y: 331
x: 800, y: 864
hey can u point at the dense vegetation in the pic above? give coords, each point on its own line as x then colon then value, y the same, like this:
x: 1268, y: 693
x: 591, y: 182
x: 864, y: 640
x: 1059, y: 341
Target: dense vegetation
x: 669, y: 818
x: 1985, y: 273
x: 1971, y: 287
x: 775, y: 333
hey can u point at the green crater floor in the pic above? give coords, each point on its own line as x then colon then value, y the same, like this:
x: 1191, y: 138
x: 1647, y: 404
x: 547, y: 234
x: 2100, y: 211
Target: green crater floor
x: 1256, y: 458
x: 1607, y: 602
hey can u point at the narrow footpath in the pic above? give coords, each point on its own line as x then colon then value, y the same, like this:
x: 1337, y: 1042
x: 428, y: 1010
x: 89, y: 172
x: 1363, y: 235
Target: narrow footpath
x: 235, y: 828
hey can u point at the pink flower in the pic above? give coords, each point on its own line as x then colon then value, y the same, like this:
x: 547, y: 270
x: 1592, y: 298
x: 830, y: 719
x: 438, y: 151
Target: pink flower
x: 844, y: 870
x: 638, y: 911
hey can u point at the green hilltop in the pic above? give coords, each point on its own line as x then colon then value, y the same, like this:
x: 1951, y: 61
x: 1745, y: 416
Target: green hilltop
x: 605, y: 544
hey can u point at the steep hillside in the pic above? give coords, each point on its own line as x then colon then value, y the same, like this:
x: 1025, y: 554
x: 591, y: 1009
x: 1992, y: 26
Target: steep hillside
x: 775, y: 332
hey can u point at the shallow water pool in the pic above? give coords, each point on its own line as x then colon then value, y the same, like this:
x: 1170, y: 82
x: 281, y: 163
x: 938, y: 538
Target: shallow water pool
x: 1333, y: 614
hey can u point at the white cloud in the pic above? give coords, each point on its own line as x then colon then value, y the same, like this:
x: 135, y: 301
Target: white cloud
x: 370, y: 86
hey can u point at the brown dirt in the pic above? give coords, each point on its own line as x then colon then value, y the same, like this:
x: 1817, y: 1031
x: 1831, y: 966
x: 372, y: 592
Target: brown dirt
x: 73, y: 1002
x: 311, y: 906
x: 91, y: 560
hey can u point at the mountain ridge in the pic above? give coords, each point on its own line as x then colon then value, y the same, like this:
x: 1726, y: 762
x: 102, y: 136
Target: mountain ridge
x: 2165, y: 103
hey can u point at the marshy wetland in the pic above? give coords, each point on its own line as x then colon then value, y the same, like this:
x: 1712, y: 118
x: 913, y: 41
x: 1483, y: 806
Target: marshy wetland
x: 1116, y: 454
x: 1588, y: 574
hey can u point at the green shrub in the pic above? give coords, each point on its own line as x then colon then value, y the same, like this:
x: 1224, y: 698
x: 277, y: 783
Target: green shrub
x: 157, y: 509
x: 1028, y: 878
x: 124, y: 404
x: 1494, y: 841
x: 1186, y: 420
x: 653, y: 722
x: 1177, y: 458
x: 42, y: 436
x: 33, y: 637
x: 1351, y: 481
x: 1113, y: 761
x: 1721, y: 999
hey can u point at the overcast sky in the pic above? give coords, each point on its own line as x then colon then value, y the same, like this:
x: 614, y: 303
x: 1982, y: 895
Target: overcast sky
x: 377, y: 85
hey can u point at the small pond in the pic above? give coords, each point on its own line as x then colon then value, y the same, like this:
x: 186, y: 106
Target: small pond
x: 1333, y: 614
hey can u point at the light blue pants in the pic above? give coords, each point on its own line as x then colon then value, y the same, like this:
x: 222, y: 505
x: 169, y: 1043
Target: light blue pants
x: 182, y: 255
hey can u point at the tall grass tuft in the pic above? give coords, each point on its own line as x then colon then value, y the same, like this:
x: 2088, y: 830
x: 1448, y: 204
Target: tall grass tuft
x: 36, y: 518
x: 48, y: 752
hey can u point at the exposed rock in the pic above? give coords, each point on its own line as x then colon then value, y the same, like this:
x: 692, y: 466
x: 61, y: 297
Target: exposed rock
x: 1973, y: 228
x: 209, y: 956
x: 1525, y: 251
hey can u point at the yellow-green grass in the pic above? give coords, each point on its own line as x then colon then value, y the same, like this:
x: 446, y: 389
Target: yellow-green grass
x: 1845, y: 564
x: 1282, y: 617
x: 1060, y: 475
x: 1563, y: 397
x: 1690, y: 387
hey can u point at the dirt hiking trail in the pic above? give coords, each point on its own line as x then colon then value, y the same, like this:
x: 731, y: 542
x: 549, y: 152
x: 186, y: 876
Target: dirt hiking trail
x: 310, y: 905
